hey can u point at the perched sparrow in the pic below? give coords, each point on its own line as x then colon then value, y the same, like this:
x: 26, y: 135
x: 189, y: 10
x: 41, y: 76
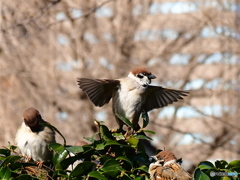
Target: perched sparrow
x: 33, y: 137
x: 167, y: 168
x: 131, y: 95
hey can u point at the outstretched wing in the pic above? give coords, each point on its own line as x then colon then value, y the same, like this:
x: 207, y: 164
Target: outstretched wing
x: 99, y: 91
x: 158, y: 97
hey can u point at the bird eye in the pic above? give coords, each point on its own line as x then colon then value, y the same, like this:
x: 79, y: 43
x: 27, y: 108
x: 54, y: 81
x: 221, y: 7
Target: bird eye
x: 140, y: 76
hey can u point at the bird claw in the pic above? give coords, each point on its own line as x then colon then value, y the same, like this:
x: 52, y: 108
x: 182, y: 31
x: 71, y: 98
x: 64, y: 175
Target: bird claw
x: 27, y: 159
x: 40, y: 164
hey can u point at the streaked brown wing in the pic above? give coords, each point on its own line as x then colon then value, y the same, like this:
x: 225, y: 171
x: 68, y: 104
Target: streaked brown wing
x: 99, y: 91
x: 172, y: 171
x: 158, y: 97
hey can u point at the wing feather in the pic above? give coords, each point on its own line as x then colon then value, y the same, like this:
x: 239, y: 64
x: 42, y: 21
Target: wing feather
x: 158, y: 97
x: 99, y: 91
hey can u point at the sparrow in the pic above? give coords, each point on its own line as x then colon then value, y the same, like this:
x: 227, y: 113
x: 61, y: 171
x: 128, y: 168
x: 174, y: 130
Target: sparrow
x: 166, y: 167
x: 34, y: 136
x: 131, y: 95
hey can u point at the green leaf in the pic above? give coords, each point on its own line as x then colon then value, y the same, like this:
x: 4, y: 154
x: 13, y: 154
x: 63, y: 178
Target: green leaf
x: 205, y: 165
x: 145, y: 119
x: 133, y: 141
x: 123, y: 158
x: 111, y: 164
x: 143, y: 168
x: 5, y: 152
x: 75, y: 149
x: 58, y: 158
x: 82, y: 168
x: 138, y: 178
x: 125, y: 120
x: 12, y: 147
x: 100, y: 147
x: 105, y: 158
x: 112, y: 142
x: 118, y: 136
x: 141, y: 158
x: 234, y: 164
x: 111, y: 168
x: 56, y: 130
x: 96, y: 174
x: 226, y: 178
x: 148, y: 131
x: 142, y: 137
x: 5, y: 173
x: 199, y: 175
x: 105, y: 133
x: 221, y: 164
x: 58, y: 148
x: 10, y: 160
x: 92, y: 138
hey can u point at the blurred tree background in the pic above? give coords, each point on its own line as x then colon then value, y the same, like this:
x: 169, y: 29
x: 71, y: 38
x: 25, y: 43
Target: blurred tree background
x: 192, y: 45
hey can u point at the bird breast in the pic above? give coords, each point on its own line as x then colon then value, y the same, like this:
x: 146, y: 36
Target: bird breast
x: 128, y: 100
x: 35, y: 144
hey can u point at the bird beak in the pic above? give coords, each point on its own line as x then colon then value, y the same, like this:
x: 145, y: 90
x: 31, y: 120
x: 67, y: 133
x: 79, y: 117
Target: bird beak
x: 154, y: 157
x: 151, y: 76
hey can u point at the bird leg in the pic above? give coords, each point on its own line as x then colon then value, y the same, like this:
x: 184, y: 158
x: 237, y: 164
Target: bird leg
x: 128, y: 132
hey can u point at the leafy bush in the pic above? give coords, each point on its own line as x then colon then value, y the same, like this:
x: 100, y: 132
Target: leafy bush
x: 222, y: 170
x: 109, y: 155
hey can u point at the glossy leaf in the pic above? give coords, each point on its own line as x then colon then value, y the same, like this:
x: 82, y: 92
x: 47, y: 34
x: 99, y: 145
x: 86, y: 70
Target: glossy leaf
x: 199, y: 175
x: 141, y: 158
x: 118, y: 136
x: 100, y: 147
x: 148, y: 131
x: 96, y: 174
x: 143, y: 137
x: 125, y: 120
x: 5, y: 152
x: 58, y: 158
x: 143, y: 168
x: 82, y: 168
x: 75, y: 149
x: 123, y: 158
x: 221, y: 164
x: 10, y: 160
x: 205, y: 165
x: 112, y: 142
x: 58, y: 148
x: 234, y: 164
x: 133, y: 141
x: 105, y: 133
x: 145, y: 119
x: 5, y: 173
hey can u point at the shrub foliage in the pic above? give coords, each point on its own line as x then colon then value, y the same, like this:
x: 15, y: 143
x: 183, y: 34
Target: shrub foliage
x: 109, y: 155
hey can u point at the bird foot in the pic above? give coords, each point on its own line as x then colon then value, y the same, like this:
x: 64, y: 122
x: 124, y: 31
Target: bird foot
x: 40, y: 164
x: 27, y: 159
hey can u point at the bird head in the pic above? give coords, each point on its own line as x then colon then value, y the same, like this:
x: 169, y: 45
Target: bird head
x: 166, y: 156
x: 32, y: 117
x: 142, y: 76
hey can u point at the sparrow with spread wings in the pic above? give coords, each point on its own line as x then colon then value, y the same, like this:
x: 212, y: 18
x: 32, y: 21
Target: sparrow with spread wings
x: 131, y: 95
